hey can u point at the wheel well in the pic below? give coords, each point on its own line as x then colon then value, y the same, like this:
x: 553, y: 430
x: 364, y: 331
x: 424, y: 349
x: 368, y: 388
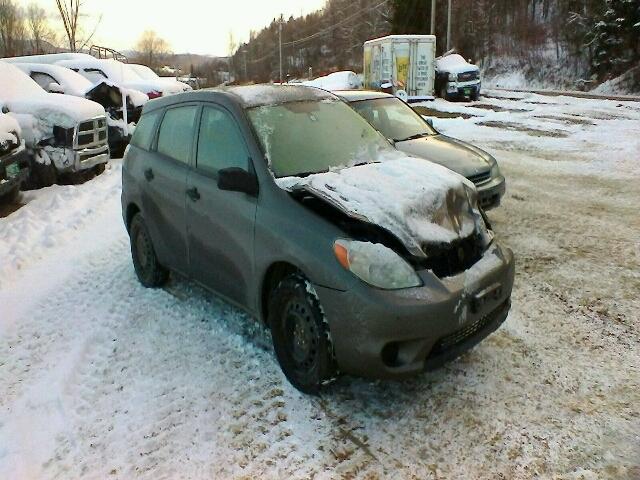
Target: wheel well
x: 132, y: 209
x: 275, y: 274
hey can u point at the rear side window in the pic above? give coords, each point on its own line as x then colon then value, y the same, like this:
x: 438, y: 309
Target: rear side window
x: 43, y: 79
x: 176, y: 133
x: 220, y: 143
x: 143, y: 134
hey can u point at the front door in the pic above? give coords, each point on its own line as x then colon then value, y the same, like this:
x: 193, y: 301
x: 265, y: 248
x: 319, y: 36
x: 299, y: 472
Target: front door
x: 220, y: 224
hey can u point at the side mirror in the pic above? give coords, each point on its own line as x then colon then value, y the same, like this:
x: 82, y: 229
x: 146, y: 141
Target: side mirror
x: 54, y: 87
x: 236, y: 179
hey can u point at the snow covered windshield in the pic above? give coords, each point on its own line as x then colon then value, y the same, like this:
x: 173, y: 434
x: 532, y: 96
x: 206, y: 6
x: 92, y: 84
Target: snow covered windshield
x: 307, y: 137
x: 394, y: 118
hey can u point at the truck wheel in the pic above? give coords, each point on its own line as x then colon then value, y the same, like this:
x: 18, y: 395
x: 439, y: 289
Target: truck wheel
x: 145, y: 262
x: 443, y: 93
x: 42, y: 175
x: 11, y: 196
x: 475, y: 95
x: 99, y: 169
x: 300, y: 334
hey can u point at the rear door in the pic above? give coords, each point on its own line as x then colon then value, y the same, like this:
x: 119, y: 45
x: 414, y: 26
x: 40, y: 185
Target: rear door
x: 220, y: 224
x: 164, y: 176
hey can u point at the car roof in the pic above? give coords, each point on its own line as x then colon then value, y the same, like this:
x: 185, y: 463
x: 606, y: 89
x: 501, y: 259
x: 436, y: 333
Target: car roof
x: 248, y: 96
x: 358, y: 95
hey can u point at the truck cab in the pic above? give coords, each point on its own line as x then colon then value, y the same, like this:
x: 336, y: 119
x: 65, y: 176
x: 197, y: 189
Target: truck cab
x: 457, y: 79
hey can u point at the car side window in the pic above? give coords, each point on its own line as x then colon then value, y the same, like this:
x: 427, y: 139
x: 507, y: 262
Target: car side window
x: 94, y: 74
x: 220, y: 143
x: 143, y: 134
x: 43, y: 79
x: 176, y: 132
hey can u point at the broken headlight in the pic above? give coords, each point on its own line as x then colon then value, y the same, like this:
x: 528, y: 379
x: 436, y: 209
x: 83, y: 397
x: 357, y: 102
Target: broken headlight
x: 375, y: 264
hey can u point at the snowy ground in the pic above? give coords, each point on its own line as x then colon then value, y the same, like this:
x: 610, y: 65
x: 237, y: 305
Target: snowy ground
x: 101, y: 378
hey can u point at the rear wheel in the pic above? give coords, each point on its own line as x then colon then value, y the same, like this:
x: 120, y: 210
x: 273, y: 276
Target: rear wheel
x: 301, y: 336
x: 145, y: 262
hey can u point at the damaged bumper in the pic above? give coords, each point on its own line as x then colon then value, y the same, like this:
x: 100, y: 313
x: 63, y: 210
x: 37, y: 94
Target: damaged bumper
x: 395, y: 333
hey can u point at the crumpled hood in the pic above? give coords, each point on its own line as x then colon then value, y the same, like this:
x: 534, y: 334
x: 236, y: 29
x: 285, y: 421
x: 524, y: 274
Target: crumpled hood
x: 421, y: 203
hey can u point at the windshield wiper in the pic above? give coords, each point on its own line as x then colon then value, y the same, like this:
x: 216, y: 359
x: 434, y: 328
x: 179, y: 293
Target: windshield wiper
x: 412, y: 137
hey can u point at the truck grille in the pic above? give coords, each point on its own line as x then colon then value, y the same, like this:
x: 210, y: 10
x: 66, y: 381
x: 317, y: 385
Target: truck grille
x: 91, y: 133
x: 468, y: 76
x: 479, y: 178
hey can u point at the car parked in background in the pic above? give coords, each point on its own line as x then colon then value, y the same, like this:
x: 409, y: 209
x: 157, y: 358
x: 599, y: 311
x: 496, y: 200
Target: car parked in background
x: 411, y: 134
x: 285, y: 202
x: 457, y: 79
x: 122, y: 105
x: 64, y: 135
x: 146, y: 73
x: 14, y: 165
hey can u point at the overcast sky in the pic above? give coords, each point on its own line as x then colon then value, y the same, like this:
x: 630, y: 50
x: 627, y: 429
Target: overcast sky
x: 196, y: 26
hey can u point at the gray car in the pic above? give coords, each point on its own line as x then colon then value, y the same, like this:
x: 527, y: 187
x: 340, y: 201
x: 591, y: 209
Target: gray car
x: 288, y: 204
x: 412, y: 134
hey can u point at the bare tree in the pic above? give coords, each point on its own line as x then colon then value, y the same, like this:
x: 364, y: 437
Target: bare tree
x: 152, y: 48
x: 38, y: 28
x: 11, y: 29
x: 71, y: 15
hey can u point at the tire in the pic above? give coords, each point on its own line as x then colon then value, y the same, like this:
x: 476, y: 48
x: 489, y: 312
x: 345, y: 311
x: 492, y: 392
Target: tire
x: 145, y: 262
x: 475, y: 96
x: 11, y: 196
x: 42, y: 175
x: 443, y: 93
x: 301, y: 337
x: 99, y: 169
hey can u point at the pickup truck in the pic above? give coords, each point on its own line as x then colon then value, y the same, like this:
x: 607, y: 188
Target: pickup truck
x: 456, y: 78
x: 122, y: 105
x: 14, y: 166
x: 64, y: 135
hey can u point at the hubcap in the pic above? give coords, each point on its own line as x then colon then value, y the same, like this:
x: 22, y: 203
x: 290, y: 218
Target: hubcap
x: 301, y: 332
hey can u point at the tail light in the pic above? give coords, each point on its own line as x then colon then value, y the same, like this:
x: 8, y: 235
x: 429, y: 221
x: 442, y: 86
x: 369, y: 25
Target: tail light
x: 154, y: 94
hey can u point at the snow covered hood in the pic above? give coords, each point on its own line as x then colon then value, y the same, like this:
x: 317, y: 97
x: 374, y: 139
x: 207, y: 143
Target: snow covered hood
x: 454, y: 63
x: 421, y: 203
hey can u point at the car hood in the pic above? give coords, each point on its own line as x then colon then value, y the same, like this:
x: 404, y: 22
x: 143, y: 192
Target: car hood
x: 423, y: 204
x: 459, y: 156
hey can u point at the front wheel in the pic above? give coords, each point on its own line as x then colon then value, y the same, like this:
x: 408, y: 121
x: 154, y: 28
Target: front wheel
x: 301, y: 337
x: 145, y: 262
x: 11, y: 196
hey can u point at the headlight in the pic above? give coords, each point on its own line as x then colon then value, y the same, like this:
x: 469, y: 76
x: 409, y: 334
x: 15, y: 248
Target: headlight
x: 375, y: 264
x: 453, y: 77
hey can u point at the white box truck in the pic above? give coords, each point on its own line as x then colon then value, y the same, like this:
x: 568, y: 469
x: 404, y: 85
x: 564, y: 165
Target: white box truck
x: 401, y: 64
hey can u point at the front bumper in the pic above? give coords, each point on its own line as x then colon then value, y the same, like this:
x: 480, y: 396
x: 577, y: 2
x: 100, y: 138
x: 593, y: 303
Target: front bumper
x: 19, y: 157
x: 490, y: 193
x: 69, y: 160
x: 395, y: 333
x: 464, y: 90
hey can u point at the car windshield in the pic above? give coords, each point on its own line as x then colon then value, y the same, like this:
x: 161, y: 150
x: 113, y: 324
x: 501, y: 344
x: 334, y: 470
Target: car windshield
x: 394, y: 118
x: 306, y: 137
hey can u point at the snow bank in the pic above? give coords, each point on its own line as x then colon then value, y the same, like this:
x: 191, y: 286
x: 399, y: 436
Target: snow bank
x: 418, y: 201
x: 336, y: 81
x: 454, y: 63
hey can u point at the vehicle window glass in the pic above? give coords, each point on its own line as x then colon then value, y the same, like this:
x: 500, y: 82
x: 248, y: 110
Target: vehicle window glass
x: 220, y: 143
x: 143, y: 134
x: 43, y: 79
x: 94, y: 74
x: 176, y: 132
x: 393, y: 118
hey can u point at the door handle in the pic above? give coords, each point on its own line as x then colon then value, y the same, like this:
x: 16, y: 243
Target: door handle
x: 193, y: 194
x: 148, y: 174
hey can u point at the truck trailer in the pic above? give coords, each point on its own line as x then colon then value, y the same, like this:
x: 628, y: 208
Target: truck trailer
x: 401, y: 64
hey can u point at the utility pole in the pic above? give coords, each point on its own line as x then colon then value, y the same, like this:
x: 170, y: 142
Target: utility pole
x: 449, y: 27
x: 244, y: 56
x: 433, y: 17
x: 280, y: 46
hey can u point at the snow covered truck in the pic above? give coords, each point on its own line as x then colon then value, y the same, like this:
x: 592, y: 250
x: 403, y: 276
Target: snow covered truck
x: 401, y: 64
x: 64, y: 135
x: 456, y: 78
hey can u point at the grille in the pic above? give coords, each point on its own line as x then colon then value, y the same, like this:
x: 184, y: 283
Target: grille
x: 468, y: 331
x: 480, y: 177
x: 455, y: 257
x: 92, y: 133
x: 468, y: 76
